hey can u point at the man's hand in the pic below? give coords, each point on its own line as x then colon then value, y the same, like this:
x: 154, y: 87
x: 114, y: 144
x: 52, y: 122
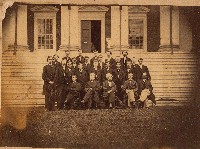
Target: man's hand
x: 51, y: 82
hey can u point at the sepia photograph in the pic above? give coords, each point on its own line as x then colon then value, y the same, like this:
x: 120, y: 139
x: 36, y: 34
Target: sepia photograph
x: 95, y: 74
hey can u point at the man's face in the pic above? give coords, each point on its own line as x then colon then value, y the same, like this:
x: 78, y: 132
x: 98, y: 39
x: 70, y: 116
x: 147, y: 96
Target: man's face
x: 108, y: 53
x: 74, y: 78
x: 80, y: 66
x: 50, y: 61
x: 129, y: 64
x: 140, y: 61
x: 67, y: 53
x: 118, y: 65
x: 69, y: 64
x: 92, y: 76
x: 95, y: 54
x: 53, y: 59
x: 95, y: 64
x: 124, y: 54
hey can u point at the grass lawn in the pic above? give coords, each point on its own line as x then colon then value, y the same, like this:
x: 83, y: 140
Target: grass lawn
x: 169, y: 127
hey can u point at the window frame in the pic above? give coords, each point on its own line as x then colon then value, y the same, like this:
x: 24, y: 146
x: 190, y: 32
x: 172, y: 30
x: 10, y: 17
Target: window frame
x: 137, y: 16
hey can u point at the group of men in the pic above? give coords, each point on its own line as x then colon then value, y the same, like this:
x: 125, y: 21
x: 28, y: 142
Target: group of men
x: 96, y: 82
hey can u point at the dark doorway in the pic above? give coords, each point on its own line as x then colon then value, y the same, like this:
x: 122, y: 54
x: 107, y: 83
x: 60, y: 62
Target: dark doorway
x: 91, y: 36
x: 96, y: 35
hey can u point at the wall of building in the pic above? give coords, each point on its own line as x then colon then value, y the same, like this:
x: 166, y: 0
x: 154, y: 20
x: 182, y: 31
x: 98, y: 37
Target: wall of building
x: 185, y: 31
x: 8, y: 25
x: 153, y: 28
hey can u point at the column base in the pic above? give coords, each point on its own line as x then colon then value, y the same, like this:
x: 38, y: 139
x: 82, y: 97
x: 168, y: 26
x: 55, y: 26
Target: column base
x: 19, y: 48
x: 68, y: 48
x: 64, y: 47
x: 168, y: 48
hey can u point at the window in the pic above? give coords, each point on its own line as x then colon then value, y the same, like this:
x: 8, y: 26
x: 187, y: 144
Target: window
x: 45, y: 33
x: 137, y: 25
x: 136, y: 33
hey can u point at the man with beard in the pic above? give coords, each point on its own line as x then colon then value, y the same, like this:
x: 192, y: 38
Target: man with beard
x: 124, y: 59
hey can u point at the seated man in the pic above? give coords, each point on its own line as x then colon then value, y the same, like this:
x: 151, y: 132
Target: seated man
x: 92, y: 88
x: 73, y: 92
x: 109, y: 89
x: 131, y: 87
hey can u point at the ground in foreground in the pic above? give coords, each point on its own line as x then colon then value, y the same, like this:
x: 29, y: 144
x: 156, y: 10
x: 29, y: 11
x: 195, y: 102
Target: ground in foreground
x: 173, y: 127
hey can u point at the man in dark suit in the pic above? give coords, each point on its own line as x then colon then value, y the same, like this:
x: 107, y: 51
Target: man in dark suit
x: 124, y: 59
x: 82, y: 76
x: 110, y: 59
x: 101, y: 64
x: 119, y: 77
x: 67, y: 57
x: 92, y: 88
x: 87, y: 65
x: 94, y: 58
x: 109, y: 89
x: 74, y: 91
x: 80, y: 58
x: 48, y: 76
x: 106, y: 69
x: 143, y: 76
x: 59, y: 81
x: 97, y: 71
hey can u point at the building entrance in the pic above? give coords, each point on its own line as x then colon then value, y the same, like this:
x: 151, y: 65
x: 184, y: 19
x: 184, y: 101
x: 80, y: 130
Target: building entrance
x: 90, y: 36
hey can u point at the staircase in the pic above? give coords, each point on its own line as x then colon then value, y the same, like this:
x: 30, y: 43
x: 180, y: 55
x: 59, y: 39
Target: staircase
x: 174, y: 77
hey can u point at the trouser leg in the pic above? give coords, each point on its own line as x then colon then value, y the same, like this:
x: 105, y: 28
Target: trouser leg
x: 59, y: 97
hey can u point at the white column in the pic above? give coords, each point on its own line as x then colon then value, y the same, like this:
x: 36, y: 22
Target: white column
x: 74, y: 28
x: 64, y: 28
x: 22, y: 39
x: 115, y: 28
x: 175, y: 27
x: 164, y: 27
x: 124, y: 28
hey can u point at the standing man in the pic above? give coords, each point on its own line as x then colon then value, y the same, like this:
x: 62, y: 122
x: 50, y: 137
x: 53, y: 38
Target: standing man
x: 94, y: 58
x: 59, y: 82
x: 80, y: 58
x: 48, y: 76
x: 143, y: 76
x: 124, y: 59
x: 67, y: 58
x: 110, y: 59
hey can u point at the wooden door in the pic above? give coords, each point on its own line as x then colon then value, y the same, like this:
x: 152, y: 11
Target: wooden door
x: 86, y: 36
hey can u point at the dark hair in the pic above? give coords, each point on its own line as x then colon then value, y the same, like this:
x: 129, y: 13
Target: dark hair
x: 48, y: 57
x: 124, y: 51
x: 55, y: 55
